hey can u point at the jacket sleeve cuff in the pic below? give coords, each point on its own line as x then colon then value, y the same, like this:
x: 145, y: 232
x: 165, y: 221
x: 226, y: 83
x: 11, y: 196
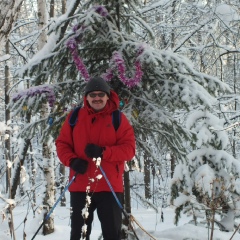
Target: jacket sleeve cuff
x: 106, y: 153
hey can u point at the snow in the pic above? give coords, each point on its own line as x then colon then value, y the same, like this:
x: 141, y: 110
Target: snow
x: 226, y: 13
x: 9, y: 164
x: 204, y: 177
x: 154, y: 5
x: 5, y: 57
x: 3, y: 127
x: 8, y: 201
x: 148, y: 219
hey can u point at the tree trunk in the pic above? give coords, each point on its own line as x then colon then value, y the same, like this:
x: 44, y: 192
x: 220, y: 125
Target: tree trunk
x: 62, y: 167
x: 52, y: 2
x: 33, y: 176
x: 127, y: 202
x: 173, y: 163
x: 147, y: 177
x: 64, y: 6
x: 62, y: 178
x: 16, y: 178
x: 7, y: 146
x: 7, y: 118
x: 48, y: 200
x: 127, y: 194
x: 174, y: 3
x: 9, y: 10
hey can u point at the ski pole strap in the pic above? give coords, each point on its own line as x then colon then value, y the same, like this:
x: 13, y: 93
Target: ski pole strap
x: 111, y: 188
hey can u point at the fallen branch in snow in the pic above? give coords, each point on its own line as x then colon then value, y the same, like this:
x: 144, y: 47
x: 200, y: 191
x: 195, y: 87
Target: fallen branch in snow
x: 235, y: 232
x: 226, y: 128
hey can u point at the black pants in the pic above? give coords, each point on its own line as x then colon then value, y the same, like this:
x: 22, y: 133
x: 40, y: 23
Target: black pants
x: 108, y: 211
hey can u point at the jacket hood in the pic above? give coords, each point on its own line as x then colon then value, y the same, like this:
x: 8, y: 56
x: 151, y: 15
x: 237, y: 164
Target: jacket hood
x: 112, y: 104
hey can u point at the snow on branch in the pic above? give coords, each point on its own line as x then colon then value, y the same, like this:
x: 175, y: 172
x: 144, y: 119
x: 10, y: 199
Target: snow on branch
x: 32, y: 92
x: 146, y: 202
x: 4, y: 127
x: 10, y: 202
x: 116, y: 62
x: 72, y: 44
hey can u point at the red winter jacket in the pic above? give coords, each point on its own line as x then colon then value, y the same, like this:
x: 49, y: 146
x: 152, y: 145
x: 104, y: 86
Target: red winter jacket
x: 97, y: 128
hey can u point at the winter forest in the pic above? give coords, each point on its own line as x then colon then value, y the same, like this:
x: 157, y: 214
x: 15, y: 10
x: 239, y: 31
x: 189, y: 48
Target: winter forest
x: 175, y: 65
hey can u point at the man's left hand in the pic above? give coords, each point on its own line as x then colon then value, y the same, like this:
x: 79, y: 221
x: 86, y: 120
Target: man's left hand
x: 93, y: 151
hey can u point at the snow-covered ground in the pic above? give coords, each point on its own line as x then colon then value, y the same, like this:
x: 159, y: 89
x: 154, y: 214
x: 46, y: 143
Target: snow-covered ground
x: 149, y: 220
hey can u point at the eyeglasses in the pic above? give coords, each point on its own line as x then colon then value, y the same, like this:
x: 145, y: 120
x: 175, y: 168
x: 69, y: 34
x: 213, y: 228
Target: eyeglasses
x: 93, y: 95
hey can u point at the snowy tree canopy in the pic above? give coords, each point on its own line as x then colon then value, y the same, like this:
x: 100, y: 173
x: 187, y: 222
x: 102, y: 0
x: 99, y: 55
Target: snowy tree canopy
x: 168, y: 79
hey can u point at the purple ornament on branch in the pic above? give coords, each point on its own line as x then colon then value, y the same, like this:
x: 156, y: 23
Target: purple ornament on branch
x: 37, y: 90
x: 80, y: 65
x: 101, y: 10
x: 117, y: 62
x: 73, y: 42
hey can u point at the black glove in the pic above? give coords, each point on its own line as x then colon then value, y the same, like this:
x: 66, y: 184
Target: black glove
x: 79, y: 165
x: 93, y: 151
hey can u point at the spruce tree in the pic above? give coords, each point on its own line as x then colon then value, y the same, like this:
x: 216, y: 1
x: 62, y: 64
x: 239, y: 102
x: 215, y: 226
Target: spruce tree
x: 111, y: 39
x: 106, y: 40
x: 207, y: 183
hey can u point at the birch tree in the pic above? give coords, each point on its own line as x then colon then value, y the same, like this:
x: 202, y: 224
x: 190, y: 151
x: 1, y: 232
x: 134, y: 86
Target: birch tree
x: 48, y: 166
x: 9, y: 12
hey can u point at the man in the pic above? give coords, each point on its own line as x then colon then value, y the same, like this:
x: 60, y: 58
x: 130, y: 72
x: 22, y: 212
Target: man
x: 94, y: 136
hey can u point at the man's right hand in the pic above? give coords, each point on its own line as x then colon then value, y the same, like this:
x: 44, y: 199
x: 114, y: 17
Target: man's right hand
x: 79, y: 165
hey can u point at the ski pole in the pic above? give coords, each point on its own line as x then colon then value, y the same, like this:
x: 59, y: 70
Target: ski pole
x: 50, y: 212
x: 117, y: 200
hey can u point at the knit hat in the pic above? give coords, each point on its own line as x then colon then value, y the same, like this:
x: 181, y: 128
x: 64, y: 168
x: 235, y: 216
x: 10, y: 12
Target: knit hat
x: 97, y: 84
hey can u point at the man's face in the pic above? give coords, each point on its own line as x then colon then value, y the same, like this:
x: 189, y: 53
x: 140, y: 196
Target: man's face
x: 97, y: 100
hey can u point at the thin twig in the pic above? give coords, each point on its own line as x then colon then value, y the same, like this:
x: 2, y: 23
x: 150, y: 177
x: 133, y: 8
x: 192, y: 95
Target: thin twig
x: 134, y: 220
